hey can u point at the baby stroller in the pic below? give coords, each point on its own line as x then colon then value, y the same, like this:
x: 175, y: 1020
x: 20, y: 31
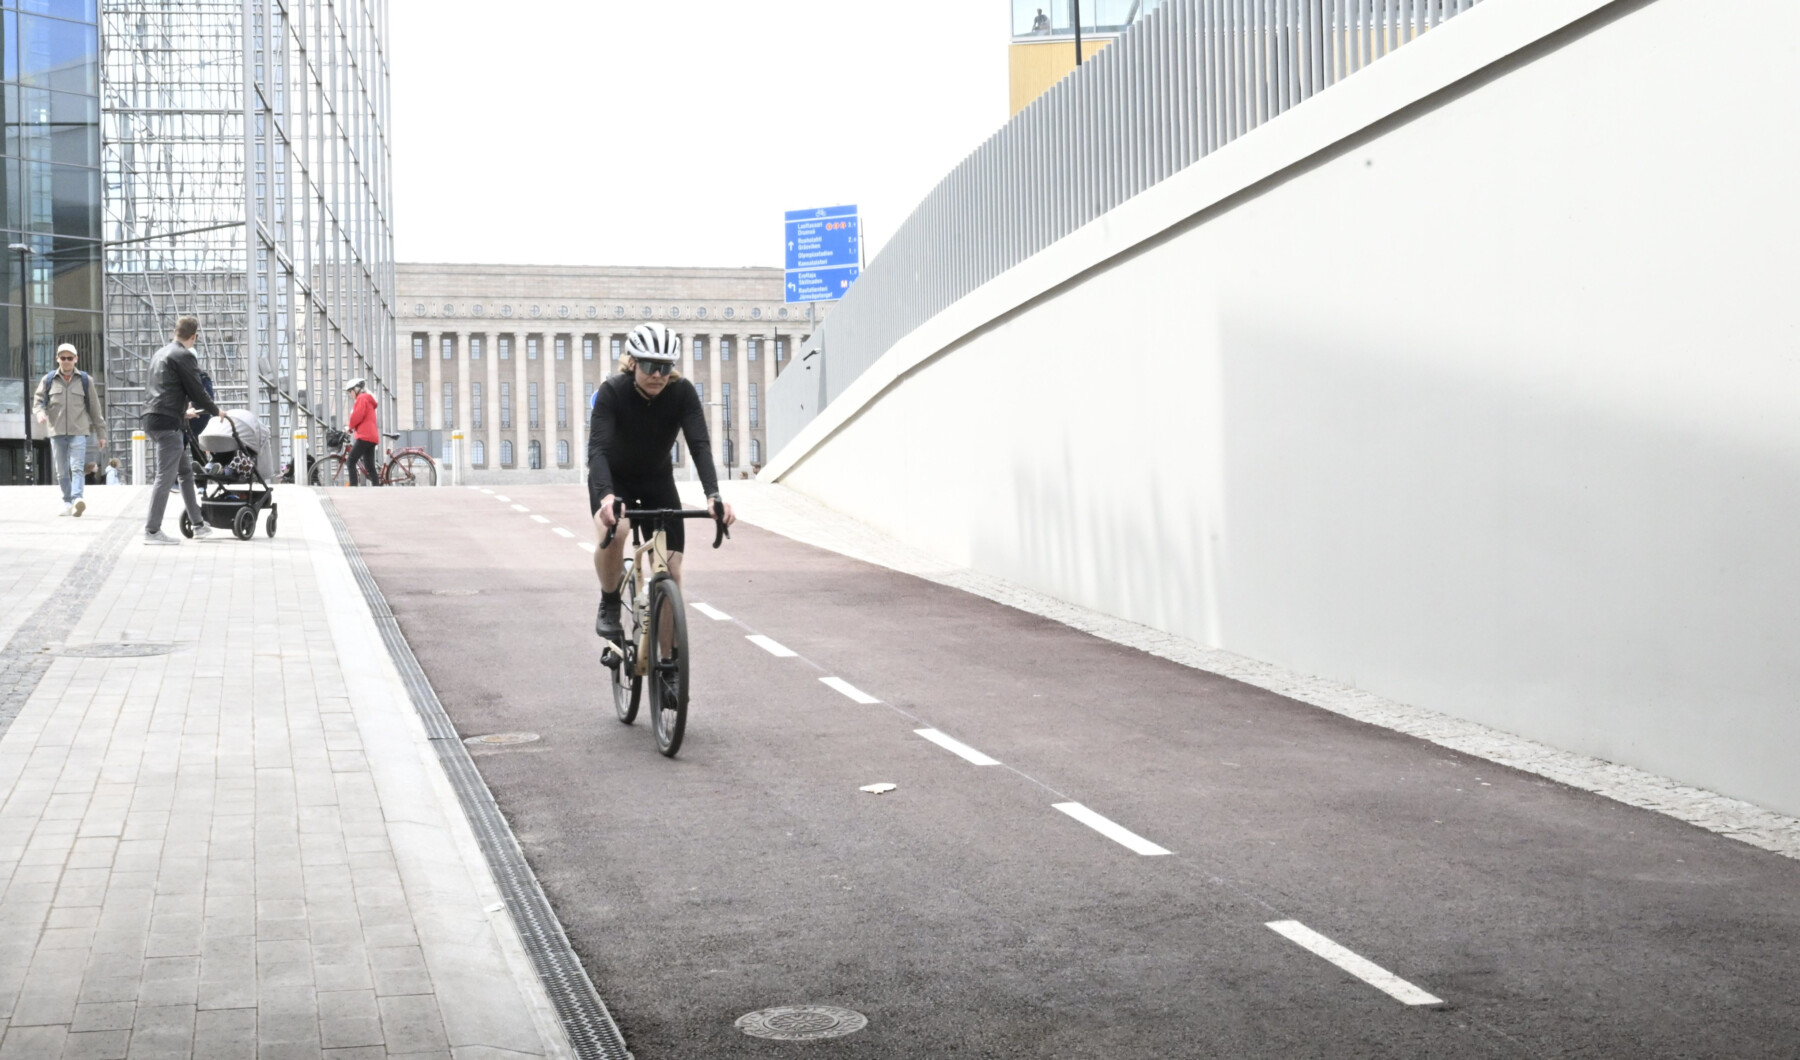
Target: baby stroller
x: 234, y: 481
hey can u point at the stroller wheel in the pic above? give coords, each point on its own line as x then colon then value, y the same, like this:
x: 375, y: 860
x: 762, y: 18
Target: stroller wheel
x: 187, y: 526
x: 270, y: 526
x: 244, y: 526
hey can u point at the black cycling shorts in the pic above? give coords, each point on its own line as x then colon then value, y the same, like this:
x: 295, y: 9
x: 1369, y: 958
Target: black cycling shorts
x: 649, y: 493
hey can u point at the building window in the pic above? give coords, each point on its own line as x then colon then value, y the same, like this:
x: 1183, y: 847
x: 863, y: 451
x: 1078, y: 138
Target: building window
x: 478, y: 453
x: 562, y: 408
x: 590, y: 397
x: 531, y: 347
x: 505, y: 452
x: 447, y: 347
x: 675, y: 453
x: 475, y: 410
x: 755, y: 414
x: 562, y: 347
x: 562, y: 452
x: 506, y: 353
x: 700, y: 390
x: 699, y: 347
x: 419, y: 405
x: 587, y: 347
x: 724, y: 348
x: 475, y: 347
x: 537, y: 454
x: 418, y: 347
x: 531, y: 407
x: 780, y: 350
x: 617, y: 345
x: 724, y: 396
x: 506, y: 413
x: 756, y: 451
x: 750, y: 346
x: 449, y: 406
x: 729, y: 453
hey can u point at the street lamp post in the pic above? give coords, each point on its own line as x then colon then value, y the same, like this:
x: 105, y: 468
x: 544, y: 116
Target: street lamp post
x: 30, y: 471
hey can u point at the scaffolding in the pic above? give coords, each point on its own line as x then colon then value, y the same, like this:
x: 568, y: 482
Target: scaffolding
x: 288, y: 260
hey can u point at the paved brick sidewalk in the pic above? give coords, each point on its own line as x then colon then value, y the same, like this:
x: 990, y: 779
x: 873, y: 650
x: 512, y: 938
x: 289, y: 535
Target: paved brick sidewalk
x: 222, y: 829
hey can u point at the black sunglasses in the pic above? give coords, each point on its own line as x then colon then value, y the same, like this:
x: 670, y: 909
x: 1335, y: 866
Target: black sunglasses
x: 655, y: 367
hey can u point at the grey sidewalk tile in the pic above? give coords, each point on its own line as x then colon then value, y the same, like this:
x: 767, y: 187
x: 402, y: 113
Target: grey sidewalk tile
x: 84, y: 916
x: 412, y: 1023
x: 236, y: 992
x: 99, y: 989
x: 97, y: 1045
x: 33, y: 1043
x: 225, y: 1034
x: 104, y: 1016
x: 358, y: 1052
x: 291, y: 1029
x: 165, y: 1033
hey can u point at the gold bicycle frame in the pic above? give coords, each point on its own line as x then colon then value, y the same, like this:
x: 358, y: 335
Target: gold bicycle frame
x: 658, y: 547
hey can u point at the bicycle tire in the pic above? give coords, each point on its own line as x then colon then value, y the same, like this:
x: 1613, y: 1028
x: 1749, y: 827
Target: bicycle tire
x: 328, y: 471
x: 668, y: 677
x: 410, y: 469
x: 627, y: 686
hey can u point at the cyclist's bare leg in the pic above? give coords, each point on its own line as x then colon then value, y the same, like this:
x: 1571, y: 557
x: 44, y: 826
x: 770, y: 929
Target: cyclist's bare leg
x: 609, y: 563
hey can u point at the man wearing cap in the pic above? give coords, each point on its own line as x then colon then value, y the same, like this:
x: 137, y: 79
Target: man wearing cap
x: 68, y: 405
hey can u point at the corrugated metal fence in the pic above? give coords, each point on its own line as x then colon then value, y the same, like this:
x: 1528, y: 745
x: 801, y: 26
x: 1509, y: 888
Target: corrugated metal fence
x: 1190, y: 77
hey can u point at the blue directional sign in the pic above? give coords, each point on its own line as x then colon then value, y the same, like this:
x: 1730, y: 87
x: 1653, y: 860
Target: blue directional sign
x: 824, y: 253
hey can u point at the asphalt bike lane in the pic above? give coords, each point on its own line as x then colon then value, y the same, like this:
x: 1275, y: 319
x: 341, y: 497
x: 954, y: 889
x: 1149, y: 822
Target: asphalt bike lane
x: 961, y: 911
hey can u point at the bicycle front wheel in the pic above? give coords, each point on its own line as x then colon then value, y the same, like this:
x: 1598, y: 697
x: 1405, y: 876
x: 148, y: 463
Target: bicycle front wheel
x: 329, y: 471
x: 627, y: 686
x: 668, y: 665
x: 410, y: 469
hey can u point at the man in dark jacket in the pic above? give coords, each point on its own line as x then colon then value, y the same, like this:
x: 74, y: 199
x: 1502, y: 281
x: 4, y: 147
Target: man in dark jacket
x: 170, y: 386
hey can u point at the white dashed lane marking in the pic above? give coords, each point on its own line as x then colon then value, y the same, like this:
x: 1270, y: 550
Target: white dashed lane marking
x: 848, y: 689
x: 768, y: 645
x: 957, y: 747
x: 502, y: 500
x: 1366, y: 970
x: 539, y: 519
x: 561, y: 531
x: 712, y: 612
x: 520, y: 508
x: 588, y: 546
x: 1123, y: 836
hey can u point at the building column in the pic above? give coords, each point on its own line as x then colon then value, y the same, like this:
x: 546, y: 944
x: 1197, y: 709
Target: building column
x: 740, y: 400
x: 521, y: 404
x: 434, y: 390
x: 578, y: 409
x: 465, y: 412
x: 490, y: 413
x: 547, y: 397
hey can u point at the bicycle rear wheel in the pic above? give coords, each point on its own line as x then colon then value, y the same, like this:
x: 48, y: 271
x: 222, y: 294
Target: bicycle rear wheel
x: 329, y: 471
x: 410, y: 469
x: 668, y: 665
x: 627, y: 686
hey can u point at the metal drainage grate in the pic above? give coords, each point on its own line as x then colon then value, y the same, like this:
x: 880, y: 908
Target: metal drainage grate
x: 501, y: 739
x: 124, y: 649
x: 802, y: 1023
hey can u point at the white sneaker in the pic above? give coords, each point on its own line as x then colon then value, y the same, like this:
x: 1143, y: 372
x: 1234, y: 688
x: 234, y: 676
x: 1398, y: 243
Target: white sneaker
x: 157, y: 537
x: 67, y: 508
x: 80, y: 506
x: 201, y: 530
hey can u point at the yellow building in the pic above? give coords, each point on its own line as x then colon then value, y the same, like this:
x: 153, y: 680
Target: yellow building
x: 1043, y: 39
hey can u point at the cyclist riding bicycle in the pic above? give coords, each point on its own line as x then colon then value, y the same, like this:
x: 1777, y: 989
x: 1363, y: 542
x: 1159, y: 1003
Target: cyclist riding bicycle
x: 362, y: 425
x: 636, y: 416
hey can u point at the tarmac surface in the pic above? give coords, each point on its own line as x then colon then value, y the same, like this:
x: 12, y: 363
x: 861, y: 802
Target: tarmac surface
x: 1475, y: 910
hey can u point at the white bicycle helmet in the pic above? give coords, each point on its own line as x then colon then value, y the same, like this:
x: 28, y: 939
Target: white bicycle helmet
x: 653, y: 342
x: 355, y: 384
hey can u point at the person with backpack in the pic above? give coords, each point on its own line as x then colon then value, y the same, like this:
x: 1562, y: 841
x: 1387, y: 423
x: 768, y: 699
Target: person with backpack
x: 69, y: 407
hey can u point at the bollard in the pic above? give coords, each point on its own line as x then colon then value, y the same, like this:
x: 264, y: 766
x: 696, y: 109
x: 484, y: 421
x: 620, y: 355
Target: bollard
x: 456, y: 457
x: 138, y: 440
x: 301, y: 477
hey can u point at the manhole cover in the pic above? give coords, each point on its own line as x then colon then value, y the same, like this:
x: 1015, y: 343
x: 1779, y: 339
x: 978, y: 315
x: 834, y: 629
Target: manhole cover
x: 801, y: 1023
x: 126, y: 649
x: 501, y: 739
x: 456, y: 592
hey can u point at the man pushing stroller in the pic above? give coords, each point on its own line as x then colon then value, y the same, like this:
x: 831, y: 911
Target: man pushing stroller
x: 170, y: 386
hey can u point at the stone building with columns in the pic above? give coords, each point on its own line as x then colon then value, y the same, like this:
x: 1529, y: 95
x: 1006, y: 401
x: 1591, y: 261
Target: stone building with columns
x: 510, y: 356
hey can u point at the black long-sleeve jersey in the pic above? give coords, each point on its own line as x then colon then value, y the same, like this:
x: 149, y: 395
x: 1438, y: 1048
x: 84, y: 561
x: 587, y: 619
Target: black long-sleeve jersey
x: 631, y: 436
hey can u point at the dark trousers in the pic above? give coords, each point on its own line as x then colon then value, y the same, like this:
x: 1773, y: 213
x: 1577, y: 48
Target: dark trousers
x: 363, y: 452
x: 169, y: 450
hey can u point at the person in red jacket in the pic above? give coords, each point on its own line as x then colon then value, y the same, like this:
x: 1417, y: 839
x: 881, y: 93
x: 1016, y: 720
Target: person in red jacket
x: 368, y: 436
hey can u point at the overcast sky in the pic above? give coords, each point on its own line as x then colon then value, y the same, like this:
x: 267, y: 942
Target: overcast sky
x: 676, y: 132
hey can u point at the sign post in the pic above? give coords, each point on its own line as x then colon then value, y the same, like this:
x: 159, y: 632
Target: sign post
x: 824, y: 253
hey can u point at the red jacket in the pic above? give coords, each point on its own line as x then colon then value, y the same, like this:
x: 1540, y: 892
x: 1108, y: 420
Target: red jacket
x: 362, y: 418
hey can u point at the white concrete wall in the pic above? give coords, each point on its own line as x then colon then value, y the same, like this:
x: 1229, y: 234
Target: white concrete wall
x: 1496, y: 409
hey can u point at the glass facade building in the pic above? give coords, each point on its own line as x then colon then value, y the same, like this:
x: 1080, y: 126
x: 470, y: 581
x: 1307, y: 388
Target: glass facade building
x: 50, y: 197
x: 246, y: 170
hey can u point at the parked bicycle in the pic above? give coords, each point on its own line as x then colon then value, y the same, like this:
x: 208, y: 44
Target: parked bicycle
x: 655, y: 651
x: 412, y: 466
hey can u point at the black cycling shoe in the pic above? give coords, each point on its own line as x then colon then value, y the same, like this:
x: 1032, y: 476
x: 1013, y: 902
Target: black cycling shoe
x: 606, y: 623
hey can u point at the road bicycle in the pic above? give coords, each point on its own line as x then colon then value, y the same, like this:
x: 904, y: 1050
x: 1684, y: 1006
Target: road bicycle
x: 408, y: 467
x: 655, y: 652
